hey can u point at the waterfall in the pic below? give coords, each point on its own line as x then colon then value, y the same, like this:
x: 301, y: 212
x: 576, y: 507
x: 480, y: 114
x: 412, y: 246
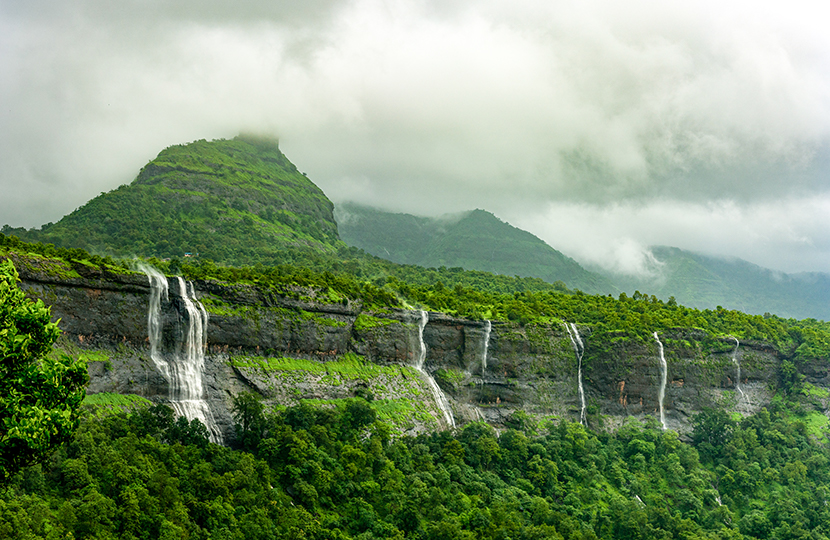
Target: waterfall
x: 487, y: 330
x: 579, y: 348
x: 158, y: 289
x: 437, y: 393
x: 738, y: 367
x: 184, y: 366
x: 663, y: 369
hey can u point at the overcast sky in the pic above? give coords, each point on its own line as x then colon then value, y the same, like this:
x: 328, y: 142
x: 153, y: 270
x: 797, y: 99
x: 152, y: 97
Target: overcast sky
x: 602, y: 127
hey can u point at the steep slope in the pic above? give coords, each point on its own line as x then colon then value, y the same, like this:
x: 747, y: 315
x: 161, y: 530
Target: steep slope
x: 706, y: 282
x: 236, y: 201
x: 475, y: 240
x: 290, y: 343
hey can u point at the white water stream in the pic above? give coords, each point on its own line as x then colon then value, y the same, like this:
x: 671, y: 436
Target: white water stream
x: 158, y: 290
x: 738, y: 367
x: 437, y: 393
x: 663, y: 368
x: 487, y: 330
x: 579, y: 348
x: 184, y: 366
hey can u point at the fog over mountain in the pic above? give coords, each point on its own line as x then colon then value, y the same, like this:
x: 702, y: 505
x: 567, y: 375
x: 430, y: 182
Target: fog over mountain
x: 602, y: 127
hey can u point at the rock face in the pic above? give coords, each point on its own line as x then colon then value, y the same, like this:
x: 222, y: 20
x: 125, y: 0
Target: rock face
x: 294, y: 347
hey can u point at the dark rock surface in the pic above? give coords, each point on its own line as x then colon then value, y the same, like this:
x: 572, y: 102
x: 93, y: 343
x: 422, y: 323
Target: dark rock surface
x: 531, y: 368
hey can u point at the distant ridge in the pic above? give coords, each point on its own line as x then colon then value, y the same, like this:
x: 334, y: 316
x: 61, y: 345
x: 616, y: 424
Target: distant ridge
x: 475, y: 240
x: 706, y: 282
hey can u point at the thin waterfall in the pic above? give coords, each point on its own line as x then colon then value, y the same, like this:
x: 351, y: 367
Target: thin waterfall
x: 663, y: 368
x: 738, y: 367
x: 579, y: 348
x: 437, y: 393
x: 184, y: 366
x: 487, y: 330
x: 158, y: 290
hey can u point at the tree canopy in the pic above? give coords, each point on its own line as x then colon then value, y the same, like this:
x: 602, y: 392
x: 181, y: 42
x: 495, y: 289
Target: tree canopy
x: 40, y: 393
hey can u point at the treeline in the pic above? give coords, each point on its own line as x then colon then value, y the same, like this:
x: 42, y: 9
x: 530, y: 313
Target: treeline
x: 353, y: 275
x: 15, y: 244
x: 336, y: 474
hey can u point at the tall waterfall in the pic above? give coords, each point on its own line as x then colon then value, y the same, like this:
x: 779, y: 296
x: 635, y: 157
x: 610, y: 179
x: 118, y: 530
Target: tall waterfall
x: 437, y: 393
x: 158, y: 289
x: 663, y: 368
x: 579, y: 348
x: 487, y: 330
x: 184, y: 366
x: 737, y: 366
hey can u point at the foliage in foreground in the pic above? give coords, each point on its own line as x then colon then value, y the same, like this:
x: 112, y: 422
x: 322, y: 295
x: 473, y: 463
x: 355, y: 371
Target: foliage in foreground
x: 334, y: 473
x: 39, y: 393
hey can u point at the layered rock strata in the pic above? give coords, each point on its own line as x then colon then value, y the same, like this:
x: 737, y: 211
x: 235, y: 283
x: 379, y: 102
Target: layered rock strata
x: 295, y: 347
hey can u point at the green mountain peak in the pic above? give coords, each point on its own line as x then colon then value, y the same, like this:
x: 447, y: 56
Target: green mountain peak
x: 239, y: 201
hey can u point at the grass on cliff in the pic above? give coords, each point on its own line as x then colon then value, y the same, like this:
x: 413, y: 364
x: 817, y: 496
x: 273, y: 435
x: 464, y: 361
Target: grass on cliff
x: 385, y: 381
x: 385, y: 384
x: 104, y: 403
x: 358, y: 280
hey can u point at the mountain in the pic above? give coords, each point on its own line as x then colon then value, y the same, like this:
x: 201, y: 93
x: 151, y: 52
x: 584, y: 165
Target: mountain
x: 706, y: 282
x: 326, y: 342
x: 475, y: 240
x: 237, y: 201
x: 242, y: 202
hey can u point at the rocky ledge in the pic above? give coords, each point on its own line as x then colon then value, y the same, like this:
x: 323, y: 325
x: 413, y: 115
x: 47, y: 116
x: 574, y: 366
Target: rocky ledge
x: 296, y: 347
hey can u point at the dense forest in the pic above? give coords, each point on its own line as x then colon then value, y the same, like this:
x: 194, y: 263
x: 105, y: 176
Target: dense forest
x: 306, y: 472
x: 132, y: 470
x: 239, y: 201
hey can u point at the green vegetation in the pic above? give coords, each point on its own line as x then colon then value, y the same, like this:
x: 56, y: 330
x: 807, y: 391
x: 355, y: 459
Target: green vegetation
x: 475, y: 240
x: 706, y: 282
x: 238, y: 201
x: 333, y: 472
x: 55, y: 261
x: 39, y: 393
x: 347, y: 367
x: 332, y: 469
x: 107, y: 402
x: 452, y: 376
x: 365, y: 322
x: 388, y: 388
x: 350, y: 275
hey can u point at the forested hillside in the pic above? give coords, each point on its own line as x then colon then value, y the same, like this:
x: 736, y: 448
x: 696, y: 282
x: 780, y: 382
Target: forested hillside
x: 335, y: 471
x: 330, y: 468
x: 237, y: 201
x: 336, y: 474
x: 475, y: 240
x: 706, y: 282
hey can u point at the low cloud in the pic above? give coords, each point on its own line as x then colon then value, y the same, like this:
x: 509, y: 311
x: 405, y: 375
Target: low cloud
x: 791, y: 235
x: 527, y: 108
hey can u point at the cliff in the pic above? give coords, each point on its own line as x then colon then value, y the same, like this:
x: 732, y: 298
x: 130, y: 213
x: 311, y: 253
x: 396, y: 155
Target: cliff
x: 298, y: 345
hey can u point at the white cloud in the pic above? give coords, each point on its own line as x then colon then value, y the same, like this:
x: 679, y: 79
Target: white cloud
x: 791, y: 235
x: 527, y: 108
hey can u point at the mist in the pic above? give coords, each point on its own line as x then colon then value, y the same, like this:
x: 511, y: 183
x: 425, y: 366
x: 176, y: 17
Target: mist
x: 603, y: 128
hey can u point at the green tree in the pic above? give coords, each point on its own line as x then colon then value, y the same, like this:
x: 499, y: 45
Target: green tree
x: 250, y: 421
x: 40, y: 395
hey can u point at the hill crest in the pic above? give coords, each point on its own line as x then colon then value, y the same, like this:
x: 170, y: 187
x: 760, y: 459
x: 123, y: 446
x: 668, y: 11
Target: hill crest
x: 473, y: 240
x: 240, y: 201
